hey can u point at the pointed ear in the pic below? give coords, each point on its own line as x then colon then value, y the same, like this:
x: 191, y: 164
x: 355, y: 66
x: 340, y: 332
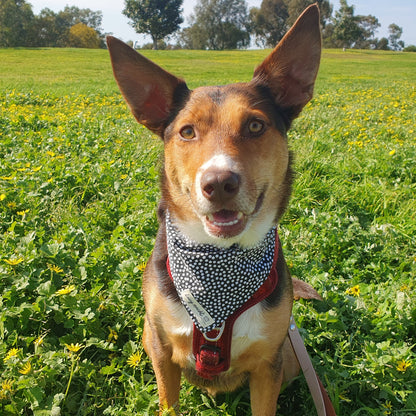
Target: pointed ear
x: 149, y: 90
x: 291, y: 68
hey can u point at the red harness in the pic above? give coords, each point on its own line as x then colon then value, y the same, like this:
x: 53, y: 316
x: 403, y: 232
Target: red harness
x: 212, y: 350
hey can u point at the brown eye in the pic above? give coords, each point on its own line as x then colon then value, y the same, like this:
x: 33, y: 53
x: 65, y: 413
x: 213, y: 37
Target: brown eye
x: 187, y: 133
x: 255, y: 126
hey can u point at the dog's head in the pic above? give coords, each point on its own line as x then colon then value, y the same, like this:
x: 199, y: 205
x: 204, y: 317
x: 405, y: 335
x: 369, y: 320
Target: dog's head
x: 227, y: 175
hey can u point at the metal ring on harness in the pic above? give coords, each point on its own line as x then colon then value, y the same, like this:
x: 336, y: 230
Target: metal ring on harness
x: 221, y: 329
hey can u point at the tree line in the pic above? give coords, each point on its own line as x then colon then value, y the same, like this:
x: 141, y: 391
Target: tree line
x: 214, y: 24
x: 229, y: 24
x: 71, y: 27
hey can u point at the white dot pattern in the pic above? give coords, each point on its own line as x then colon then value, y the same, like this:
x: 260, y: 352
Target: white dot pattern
x: 220, y: 279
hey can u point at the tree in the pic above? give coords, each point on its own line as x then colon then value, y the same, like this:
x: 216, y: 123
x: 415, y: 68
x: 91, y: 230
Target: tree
x: 350, y: 31
x: 346, y: 28
x: 383, y: 44
x: 48, y: 32
x: 395, y: 33
x: 296, y: 7
x: 157, y: 18
x: 16, y: 23
x: 53, y: 29
x: 70, y: 16
x: 218, y: 25
x: 83, y: 36
x: 271, y: 21
x: 20, y: 27
x: 368, y: 25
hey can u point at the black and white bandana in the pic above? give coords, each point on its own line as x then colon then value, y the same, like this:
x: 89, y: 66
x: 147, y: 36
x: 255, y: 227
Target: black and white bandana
x: 213, y: 282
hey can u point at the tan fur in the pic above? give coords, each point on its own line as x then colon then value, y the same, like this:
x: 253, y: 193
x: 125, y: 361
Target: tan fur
x: 211, y: 142
x: 223, y: 137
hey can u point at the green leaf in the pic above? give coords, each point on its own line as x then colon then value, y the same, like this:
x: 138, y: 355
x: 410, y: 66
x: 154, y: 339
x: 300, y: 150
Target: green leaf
x: 411, y: 402
x: 35, y: 395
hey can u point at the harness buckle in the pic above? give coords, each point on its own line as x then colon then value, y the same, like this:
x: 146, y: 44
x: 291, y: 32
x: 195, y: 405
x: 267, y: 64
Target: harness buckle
x: 219, y: 335
x: 209, y: 355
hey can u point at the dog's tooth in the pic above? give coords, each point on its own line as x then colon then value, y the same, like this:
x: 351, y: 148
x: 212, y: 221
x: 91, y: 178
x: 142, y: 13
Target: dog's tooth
x: 238, y: 218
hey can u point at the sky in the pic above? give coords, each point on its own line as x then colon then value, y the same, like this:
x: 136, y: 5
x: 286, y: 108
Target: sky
x: 401, y: 12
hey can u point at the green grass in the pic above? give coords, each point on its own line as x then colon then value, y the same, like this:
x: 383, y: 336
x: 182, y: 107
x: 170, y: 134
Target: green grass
x: 78, y: 191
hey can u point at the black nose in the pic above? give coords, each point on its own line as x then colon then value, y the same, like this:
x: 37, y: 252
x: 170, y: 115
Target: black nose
x: 219, y: 185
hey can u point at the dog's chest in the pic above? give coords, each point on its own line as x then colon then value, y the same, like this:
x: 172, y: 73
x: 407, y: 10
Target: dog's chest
x: 249, y: 328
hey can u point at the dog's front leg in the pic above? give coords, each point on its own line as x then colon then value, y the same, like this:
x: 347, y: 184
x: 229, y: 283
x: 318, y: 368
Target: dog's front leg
x: 265, y: 384
x: 168, y: 374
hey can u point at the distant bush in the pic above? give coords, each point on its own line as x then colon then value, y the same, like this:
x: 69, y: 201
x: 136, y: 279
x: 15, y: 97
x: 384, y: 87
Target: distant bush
x: 82, y: 36
x: 410, y: 48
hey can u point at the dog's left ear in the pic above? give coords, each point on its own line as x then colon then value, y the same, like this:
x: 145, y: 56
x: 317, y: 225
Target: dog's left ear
x: 291, y: 68
x: 149, y: 90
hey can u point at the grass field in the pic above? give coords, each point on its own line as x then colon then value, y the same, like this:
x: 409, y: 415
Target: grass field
x: 78, y: 190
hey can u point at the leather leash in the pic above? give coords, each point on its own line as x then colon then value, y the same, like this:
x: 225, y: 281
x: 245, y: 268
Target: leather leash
x: 320, y: 397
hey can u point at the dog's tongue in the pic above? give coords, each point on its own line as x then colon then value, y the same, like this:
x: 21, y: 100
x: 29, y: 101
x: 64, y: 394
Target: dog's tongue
x: 226, y: 223
x: 225, y: 217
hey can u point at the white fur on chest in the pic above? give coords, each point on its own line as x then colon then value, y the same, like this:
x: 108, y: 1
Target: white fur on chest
x: 248, y: 327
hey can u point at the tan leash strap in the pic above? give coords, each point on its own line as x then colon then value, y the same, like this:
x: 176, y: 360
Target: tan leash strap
x: 320, y: 397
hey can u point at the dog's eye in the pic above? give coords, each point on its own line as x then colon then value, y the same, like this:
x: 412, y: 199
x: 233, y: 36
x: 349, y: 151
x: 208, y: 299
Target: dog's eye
x: 255, y: 126
x: 187, y: 132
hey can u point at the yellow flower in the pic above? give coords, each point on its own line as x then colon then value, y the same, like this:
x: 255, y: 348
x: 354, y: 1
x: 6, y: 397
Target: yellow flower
x: 39, y: 341
x: 7, y: 178
x: 112, y: 335
x: 142, y: 266
x: 6, y: 385
x: 73, y: 347
x: 392, y: 152
x: 388, y: 406
x: 65, y: 290
x: 26, y: 369
x: 22, y: 213
x: 50, y: 153
x: 12, y: 353
x: 403, y: 365
x: 54, y: 268
x: 14, y: 262
x: 2, y: 197
x: 134, y: 359
x: 354, y: 291
x: 343, y: 397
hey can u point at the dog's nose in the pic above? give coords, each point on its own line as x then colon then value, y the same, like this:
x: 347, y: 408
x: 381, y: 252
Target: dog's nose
x: 219, y: 185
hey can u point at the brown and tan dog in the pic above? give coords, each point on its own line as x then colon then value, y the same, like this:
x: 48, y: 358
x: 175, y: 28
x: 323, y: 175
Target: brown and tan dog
x: 226, y: 182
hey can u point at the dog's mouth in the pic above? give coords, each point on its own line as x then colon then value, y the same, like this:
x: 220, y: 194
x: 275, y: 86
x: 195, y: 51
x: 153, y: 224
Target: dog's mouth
x: 227, y: 223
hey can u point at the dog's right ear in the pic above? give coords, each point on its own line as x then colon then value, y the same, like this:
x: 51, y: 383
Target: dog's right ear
x: 148, y: 89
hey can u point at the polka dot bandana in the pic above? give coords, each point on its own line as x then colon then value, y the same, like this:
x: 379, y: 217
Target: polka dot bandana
x: 213, y: 282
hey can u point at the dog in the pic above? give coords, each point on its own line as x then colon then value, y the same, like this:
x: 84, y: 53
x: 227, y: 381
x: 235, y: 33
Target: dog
x: 217, y: 291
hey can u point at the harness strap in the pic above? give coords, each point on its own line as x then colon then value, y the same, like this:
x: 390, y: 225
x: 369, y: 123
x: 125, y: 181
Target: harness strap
x: 320, y: 397
x: 212, y: 350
